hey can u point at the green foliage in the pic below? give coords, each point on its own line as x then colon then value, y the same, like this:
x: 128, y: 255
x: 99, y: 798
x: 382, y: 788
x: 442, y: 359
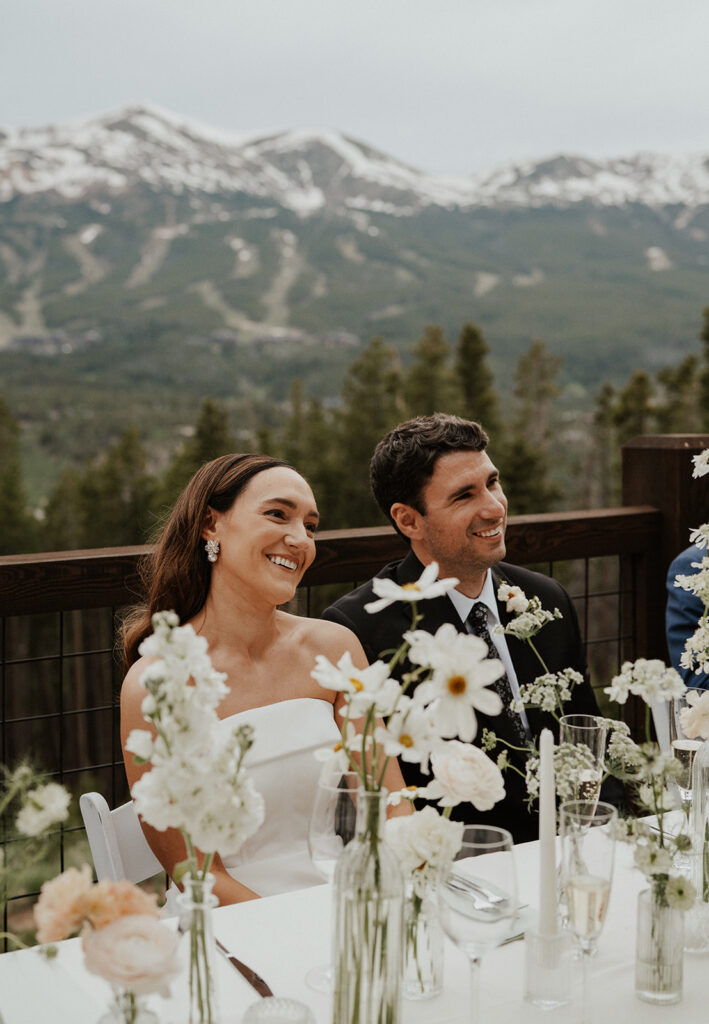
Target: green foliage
x: 479, y: 400
x: 429, y: 385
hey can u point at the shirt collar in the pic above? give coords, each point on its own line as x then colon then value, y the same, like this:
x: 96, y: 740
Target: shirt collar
x: 463, y: 604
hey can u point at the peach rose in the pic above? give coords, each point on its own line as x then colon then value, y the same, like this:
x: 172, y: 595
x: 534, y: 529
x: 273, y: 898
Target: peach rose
x: 135, y: 952
x: 58, y: 912
x: 106, y: 901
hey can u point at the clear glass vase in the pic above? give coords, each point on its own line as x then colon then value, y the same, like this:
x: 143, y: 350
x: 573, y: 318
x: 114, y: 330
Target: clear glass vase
x: 128, y: 1008
x: 696, y: 930
x: 423, y: 966
x: 659, y: 952
x: 196, y: 904
x: 369, y: 918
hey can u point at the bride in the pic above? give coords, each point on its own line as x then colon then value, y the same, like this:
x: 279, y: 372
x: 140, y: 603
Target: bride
x: 235, y: 547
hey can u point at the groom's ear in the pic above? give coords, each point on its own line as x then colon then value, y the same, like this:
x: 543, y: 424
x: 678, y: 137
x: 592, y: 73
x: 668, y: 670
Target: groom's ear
x: 407, y: 519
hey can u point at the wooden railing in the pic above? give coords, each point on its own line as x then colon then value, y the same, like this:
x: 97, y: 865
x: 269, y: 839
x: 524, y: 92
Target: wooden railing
x: 60, y: 675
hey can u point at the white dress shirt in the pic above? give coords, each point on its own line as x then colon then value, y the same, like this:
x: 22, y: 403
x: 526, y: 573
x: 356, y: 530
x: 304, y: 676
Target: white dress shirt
x: 463, y: 605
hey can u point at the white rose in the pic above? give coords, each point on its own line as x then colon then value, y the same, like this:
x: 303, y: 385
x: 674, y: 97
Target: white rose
x: 424, y: 839
x: 463, y: 773
x: 135, y: 952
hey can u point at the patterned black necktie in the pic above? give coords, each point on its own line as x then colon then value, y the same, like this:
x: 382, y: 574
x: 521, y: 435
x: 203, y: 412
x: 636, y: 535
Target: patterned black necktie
x: 477, y: 622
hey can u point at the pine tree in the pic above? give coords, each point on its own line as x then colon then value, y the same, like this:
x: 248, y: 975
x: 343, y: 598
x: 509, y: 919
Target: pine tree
x: 430, y: 385
x: 633, y: 413
x: 115, y: 496
x: 212, y: 437
x: 704, y: 375
x: 479, y: 400
x: 678, y: 410
x: 603, y: 477
x: 536, y: 389
x: 19, y: 530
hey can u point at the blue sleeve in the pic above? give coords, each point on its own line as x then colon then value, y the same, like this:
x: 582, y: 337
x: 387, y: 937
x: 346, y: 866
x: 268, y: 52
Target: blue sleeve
x: 682, y: 615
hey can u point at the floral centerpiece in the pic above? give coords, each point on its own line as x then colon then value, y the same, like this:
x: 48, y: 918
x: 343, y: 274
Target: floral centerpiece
x: 452, y: 673
x: 197, y: 782
x: 122, y: 939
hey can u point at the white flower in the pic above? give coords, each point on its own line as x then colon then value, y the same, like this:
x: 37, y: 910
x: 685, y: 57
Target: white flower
x: 528, y: 622
x: 43, y: 807
x: 650, y: 679
x: 409, y: 793
x: 409, y: 734
x: 514, y: 598
x: 680, y: 893
x: 700, y: 536
x: 140, y: 744
x: 695, y: 718
x: 424, y: 842
x: 696, y: 582
x: 549, y: 691
x: 426, y: 586
x: 464, y: 773
x: 135, y: 952
x: 652, y: 859
x: 459, y: 683
x: 363, y: 687
x: 696, y: 649
x: 701, y: 463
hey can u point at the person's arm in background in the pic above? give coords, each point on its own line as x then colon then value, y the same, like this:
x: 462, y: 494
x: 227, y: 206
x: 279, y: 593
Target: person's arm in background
x: 682, y: 615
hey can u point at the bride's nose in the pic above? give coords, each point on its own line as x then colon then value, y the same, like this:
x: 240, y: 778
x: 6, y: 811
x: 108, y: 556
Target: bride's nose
x: 298, y: 536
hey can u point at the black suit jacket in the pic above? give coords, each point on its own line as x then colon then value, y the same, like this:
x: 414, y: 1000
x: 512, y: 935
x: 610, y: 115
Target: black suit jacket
x: 559, y: 644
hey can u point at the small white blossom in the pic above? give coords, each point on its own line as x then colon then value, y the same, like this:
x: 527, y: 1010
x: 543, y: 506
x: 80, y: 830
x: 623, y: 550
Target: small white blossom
x: 650, y: 679
x: 701, y: 463
x: 680, y: 893
x: 696, y: 583
x: 43, y: 807
x: 409, y: 734
x: 696, y: 649
x: 514, y: 598
x: 549, y: 691
x: 652, y: 859
x: 528, y: 622
x: 363, y: 688
x: 426, y: 586
x: 700, y: 536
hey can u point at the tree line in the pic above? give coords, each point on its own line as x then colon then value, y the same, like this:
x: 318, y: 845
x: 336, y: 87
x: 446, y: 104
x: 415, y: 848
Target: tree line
x: 551, y: 456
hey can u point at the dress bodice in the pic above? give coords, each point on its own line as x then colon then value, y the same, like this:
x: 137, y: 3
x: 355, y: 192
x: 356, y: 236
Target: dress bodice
x: 285, y: 772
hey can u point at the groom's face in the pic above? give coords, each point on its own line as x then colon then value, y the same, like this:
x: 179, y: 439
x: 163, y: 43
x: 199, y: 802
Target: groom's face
x: 464, y: 519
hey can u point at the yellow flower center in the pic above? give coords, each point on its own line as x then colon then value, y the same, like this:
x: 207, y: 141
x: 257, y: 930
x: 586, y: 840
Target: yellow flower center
x: 338, y: 746
x: 405, y: 740
x: 412, y: 789
x: 357, y: 684
x: 411, y: 586
x: 457, y: 685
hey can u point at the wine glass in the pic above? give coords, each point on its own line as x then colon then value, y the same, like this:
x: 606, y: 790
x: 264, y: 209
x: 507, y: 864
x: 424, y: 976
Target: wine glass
x: 682, y: 747
x: 331, y: 827
x: 587, y: 731
x: 587, y: 853
x: 477, y: 898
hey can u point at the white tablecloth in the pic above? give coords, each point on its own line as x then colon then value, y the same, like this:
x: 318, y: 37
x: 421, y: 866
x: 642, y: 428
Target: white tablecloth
x: 282, y: 937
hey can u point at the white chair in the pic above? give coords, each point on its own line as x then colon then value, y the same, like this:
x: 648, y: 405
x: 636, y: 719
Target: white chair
x: 118, y: 846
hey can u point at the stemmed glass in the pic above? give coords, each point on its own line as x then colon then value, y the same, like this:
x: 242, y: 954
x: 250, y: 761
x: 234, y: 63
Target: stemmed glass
x: 477, y: 898
x: 588, y: 731
x: 331, y: 827
x: 587, y: 849
x: 682, y: 747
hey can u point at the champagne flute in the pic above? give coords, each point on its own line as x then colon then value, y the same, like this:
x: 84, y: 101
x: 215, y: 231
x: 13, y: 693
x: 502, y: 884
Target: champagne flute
x: 587, y: 731
x: 331, y: 827
x: 682, y: 747
x: 477, y: 898
x: 587, y: 848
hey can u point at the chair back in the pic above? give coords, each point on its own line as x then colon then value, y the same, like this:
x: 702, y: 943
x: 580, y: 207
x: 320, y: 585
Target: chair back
x: 118, y: 845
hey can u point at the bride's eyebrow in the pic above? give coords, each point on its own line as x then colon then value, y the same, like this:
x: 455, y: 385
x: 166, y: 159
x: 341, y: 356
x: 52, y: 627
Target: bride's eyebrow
x: 313, y: 513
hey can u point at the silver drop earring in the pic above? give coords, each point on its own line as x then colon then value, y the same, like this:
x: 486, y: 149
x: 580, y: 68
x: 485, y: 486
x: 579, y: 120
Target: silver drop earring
x: 212, y: 549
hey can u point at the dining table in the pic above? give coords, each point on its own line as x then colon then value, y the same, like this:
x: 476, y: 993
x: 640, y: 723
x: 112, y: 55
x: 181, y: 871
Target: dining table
x: 282, y: 937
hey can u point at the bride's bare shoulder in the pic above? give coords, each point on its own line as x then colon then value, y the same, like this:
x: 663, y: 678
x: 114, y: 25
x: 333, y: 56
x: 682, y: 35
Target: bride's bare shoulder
x: 329, y: 638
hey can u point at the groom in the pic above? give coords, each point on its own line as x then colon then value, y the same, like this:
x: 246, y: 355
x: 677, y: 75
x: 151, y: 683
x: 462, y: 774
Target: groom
x: 434, y: 479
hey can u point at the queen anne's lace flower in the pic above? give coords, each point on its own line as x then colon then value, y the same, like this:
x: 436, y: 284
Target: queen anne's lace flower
x: 650, y: 679
x: 527, y: 622
x: 696, y: 649
x: 701, y: 463
x: 43, y: 807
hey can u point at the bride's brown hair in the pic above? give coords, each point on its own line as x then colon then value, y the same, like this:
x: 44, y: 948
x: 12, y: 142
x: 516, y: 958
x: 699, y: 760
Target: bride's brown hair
x: 177, y: 574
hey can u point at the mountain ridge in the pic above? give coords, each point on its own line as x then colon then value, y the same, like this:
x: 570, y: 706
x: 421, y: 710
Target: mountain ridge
x: 311, y: 170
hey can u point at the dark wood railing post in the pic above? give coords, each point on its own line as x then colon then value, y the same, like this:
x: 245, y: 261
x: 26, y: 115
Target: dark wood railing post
x: 657, y: 470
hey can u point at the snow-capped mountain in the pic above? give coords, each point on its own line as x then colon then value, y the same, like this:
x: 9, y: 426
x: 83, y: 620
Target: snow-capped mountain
x: 311, y: 171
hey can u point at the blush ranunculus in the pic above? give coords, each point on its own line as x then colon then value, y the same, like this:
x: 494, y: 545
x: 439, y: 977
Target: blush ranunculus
x: 135, y: 952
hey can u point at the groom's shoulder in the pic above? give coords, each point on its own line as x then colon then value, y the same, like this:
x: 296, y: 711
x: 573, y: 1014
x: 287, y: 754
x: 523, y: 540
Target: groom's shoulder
x: 355, y: 600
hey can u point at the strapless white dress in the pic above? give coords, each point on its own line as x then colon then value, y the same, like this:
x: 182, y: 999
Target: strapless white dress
x: 285, y: 772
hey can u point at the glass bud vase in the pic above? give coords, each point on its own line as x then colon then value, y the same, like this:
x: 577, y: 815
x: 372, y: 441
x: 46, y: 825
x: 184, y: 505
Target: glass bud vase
x: 659, y: 952
x: 369, y: 911
x: 696, y: 930
x: 196, y: 904
x: 128, y: 1008
x: 423, y: 966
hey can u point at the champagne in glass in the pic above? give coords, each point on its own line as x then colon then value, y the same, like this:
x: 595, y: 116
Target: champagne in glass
x: 588, y: 848
x: 589, y: 732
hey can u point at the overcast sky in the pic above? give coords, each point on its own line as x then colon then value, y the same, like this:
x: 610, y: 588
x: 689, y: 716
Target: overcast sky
x: 446, y: 85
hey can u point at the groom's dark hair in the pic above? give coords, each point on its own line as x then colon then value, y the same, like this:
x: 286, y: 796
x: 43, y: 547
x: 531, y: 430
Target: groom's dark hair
x: 404, y: 460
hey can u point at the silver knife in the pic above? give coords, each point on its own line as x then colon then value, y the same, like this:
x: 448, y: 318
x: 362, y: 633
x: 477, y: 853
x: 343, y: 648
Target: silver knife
x: 254, y: 979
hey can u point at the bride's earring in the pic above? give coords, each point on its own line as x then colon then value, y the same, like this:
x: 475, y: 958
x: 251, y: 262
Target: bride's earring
x: 212, y: 549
